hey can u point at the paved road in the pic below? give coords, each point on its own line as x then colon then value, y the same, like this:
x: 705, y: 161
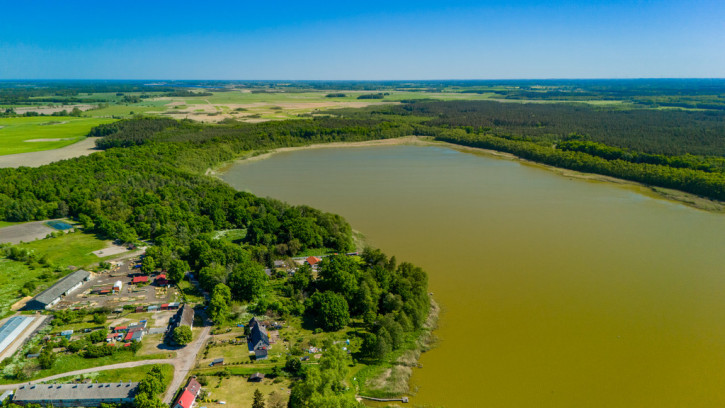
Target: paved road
x: 183, y: 363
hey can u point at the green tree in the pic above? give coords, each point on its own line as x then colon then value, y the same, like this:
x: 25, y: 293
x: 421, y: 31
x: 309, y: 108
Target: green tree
x: 177, y: 270
x: 148, y: 265
x: 219, y: 305
x: 182, y: 335
x: 47, y: 358
x: 293, y: 366
x: 258, y: 399
x: 330, y: 310
x: 247, y: 281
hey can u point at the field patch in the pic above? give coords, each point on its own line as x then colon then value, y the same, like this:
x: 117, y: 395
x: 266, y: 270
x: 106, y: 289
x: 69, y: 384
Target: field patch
x: 31, y: 134
x: 74, y: 248
x: 13, y: 275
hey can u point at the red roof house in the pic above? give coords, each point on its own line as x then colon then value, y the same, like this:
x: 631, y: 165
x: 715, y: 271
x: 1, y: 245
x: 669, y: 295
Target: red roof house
x: 313, y: 260
x: 186, y: 399
x: 140, y: 279
x: 161, y: 280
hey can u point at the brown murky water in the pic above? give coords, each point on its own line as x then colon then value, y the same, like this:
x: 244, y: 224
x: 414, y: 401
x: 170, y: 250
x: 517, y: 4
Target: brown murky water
x: 556, y: 292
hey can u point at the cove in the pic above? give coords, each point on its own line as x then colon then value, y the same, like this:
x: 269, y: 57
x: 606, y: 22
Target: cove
x: 556, y: 292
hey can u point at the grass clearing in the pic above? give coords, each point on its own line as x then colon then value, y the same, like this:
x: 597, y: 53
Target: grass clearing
x: 13, y: 275
x: 73, y: 248
x: 18, y: 135
x: 134, y: 374
x: 237, y: 392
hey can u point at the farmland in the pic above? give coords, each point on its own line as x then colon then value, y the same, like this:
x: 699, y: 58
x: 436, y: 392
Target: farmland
x: 31, y: 134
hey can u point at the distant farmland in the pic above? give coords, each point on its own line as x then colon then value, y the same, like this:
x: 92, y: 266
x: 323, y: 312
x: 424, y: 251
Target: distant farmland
x: 31, y: 134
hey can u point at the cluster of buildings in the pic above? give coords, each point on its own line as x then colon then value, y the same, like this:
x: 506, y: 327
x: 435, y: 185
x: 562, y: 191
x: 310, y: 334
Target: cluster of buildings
x: 134, y: 332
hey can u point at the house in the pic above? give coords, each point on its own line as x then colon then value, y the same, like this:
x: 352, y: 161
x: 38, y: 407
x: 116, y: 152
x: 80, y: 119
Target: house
x: 260, y: 353
x: 165, y: 306
x: 188, y: 395
x: 161, y: 280
x: 52, y: 295
x: 256, y: 377
x: 313, y: 260
x: 140, y: 279
x: 174, y: 305
x: 76, y: 395
x: 139, y: 309
x: 258, y: 338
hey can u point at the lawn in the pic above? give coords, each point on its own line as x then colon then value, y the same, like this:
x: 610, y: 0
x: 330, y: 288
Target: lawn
x: 122, y: 110
x: 134, y: 374
x: 16, y: 133
x: 8, y: 223
x: 237, y: 392
x: 13, y: 275
x: 69, y: 249
x: 73, y: 362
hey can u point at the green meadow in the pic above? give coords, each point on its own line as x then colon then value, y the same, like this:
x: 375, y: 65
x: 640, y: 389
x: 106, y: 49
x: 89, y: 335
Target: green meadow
x: 68, y: 249
x: 13, y: 275
x: 19, y: 135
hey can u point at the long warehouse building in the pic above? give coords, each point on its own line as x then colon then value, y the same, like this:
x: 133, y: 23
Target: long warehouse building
x: 76, y: 395
x: 12, y: 329
x: 63, y: 287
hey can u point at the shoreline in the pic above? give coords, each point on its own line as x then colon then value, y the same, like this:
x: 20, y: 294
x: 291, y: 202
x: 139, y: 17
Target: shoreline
x: 662, y: 193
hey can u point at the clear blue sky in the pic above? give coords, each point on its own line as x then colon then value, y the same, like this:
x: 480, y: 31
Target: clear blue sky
x: 361, y: 40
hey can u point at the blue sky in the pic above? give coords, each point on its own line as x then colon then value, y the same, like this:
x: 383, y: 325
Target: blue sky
x: 361, y: 40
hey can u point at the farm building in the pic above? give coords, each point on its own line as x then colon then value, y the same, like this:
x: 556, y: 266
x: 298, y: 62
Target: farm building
x: 63, y: 287
x: 140, y: 279
x: 76, y: 395
x: 12, y: 329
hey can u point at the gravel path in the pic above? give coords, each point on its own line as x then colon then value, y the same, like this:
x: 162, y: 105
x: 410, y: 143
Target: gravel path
x: 36, y: 159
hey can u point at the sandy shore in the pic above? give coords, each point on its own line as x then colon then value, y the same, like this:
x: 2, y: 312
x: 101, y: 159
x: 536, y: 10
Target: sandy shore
x: 652, y: 191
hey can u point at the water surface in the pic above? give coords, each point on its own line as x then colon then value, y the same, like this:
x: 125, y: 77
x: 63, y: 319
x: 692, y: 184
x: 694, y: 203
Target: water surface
x: 556, y: 292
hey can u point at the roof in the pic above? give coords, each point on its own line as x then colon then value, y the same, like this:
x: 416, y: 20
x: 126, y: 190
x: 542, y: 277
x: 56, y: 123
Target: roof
x: 12, y: 329
x: 62, y: 286
x: 253, y: 322
x: 140, y: 279
x: 75, y: 392
x: 258, y: 334
x: 162, y: 276
x: 313, y: 260
x: 256, y: 376
x: 187, y: 316
x: 186, y: 399
x: 193, y: 386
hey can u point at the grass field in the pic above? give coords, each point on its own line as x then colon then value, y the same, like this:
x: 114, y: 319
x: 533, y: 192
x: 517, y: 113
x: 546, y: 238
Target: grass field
x: 17, y: 135
x: 124, y: 374
x: 13, y: 275
x: 69, y: 249
x: 8, y: 223
x: 237, y: 392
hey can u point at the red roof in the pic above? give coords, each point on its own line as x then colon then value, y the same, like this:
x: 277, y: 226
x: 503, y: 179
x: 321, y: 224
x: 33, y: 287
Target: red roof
x: 165, y: 305
x: 186, y: 399
x: 139, y: 279
x: 119, y: 328
x: 162, y: 276
x: 313, y: 260
x: 128, y: 336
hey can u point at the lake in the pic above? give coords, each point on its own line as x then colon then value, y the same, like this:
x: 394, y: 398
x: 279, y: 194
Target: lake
x: 556, y: 291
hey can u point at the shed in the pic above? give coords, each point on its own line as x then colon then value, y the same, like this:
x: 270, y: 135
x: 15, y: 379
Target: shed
x: 140, y: 279
x: 152, y: 308
x: 67, y: 334
x: 139, y: 309
x: 216, y: 362
x: 256, y: 377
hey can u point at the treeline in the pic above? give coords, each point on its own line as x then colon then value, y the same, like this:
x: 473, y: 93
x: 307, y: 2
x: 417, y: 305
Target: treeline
x: 706, y: 184
x: 668, y: 132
